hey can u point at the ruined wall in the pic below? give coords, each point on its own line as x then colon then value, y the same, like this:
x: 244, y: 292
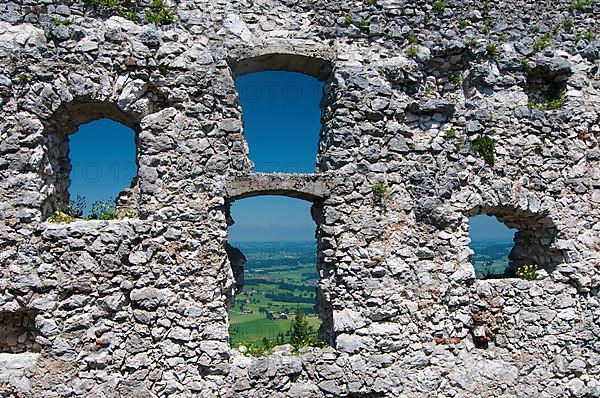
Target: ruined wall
x: 138, y: 307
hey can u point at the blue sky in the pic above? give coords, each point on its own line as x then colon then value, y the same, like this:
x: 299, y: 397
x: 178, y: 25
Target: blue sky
x: 486, y: 228
x: 102, y: 156
x: 281, y: 124
x: 282, y: 120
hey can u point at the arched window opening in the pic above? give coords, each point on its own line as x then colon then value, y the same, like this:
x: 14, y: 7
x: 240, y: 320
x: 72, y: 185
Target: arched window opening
x: 275, y: 298
x: 92, y: 154
x: 508, y: 243
x: 282, y: 120
x: 282, y: 98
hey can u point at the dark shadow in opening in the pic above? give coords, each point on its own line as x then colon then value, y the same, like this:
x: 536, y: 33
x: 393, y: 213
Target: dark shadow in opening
x: 18, y: 332
x: 319, y: 68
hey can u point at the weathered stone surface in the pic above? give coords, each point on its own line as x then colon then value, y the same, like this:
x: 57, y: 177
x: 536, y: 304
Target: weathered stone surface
x: 138, y: 307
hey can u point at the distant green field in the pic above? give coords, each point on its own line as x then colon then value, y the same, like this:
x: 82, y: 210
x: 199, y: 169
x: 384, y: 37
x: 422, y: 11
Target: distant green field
x: 491, y: 257
x: 278, y: 278
x: 251, y: 329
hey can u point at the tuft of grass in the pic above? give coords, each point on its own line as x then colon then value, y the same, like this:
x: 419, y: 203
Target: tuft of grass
x: 380, y: 190
x: 68, y: 213
x: 115, y: 7
x: 412, y: 39
x: 23, y: 78
x: 492, y: 50
x: 526, y: 65
x: 412, y: 51
x: 553, y: 99
x: 568, y: 25
x: 450, y: 134
x: 439, y: 6
x: 587, y: 36
x: 348, y: 19
x: 455, y: 78
x: 160, y: 13
x: 485, y: 7
x: 363, y: 23
x: 104, y: 3
x: 541, y: 42
x: 580, y: 4
x: 486, y: 148
x: 130, y: 15
x: 528, y: 272
x: 103, y: 210
x: 163, y: 69
x: 59, y: 21
x: 371, y: 2
x: 462, y: 22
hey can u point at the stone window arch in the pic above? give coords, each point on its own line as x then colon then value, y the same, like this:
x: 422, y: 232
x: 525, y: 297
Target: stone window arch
x: 533, y: 241
x: 237, y: 260
x: 308, y: 61
x: 66, y: 121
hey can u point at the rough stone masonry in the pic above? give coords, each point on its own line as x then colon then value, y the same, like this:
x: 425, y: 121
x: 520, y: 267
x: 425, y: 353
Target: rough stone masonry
x: 138, y: 307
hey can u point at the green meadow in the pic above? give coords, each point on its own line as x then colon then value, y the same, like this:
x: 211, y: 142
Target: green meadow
x: 491, y: 257
x: 279, y: 278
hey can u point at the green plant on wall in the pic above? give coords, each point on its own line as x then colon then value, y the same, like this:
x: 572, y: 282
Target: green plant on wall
x: 412, y: 51
x: 104, y: 3
x: 439, y: 6
x: 380, y: 190
x: 348, y: 19
x: 116, y: 7
x: 492, y: 50
x: 529, y: 272
x: 103, y: 210
x: 160, y: 13
x: 541, y: 42
x: 68, y: 213
x: 130, y: 15
x: 163, y: 69
x: 23, y: 78
x: 363, y: 23
x: 59, y: 21
x: 302, y: 334
x: 587, y: 36
x: 553, y: 99
x: 486, y: 148
x: 455, y: 78
x: 580, y: 4
x: 526, y: 65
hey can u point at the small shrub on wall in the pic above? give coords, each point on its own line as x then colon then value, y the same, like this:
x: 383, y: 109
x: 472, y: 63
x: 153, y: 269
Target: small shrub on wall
x: 486, y: 148
x: 529, y: 272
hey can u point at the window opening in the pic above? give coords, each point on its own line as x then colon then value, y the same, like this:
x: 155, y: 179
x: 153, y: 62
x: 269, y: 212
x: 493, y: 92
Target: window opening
x: 282, y: 119
x: 275, y: 301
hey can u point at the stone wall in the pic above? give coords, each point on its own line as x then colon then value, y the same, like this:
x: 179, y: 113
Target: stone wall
x: 138, y: 307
